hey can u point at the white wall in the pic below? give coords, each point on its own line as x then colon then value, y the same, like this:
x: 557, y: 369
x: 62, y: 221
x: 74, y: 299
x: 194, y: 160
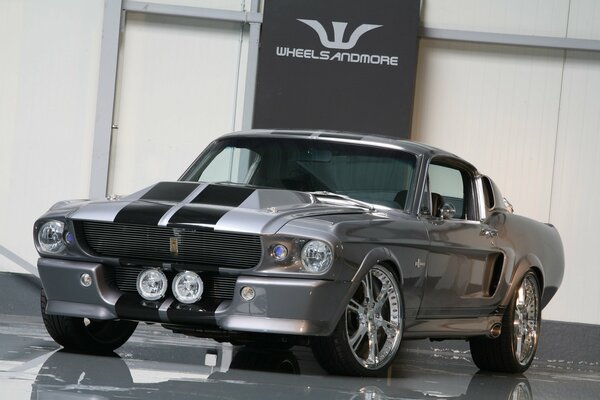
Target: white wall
x: 49, y: 61
x: 497, y: 107
x: 522, y: 17
x: 527, y: 117
x: 180, y: 79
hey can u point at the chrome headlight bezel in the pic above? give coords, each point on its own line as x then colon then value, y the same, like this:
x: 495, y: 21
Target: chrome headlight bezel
x: 50, y: 237
x: 316, y: 256
x: 196, y: 292
x: 157, y: 286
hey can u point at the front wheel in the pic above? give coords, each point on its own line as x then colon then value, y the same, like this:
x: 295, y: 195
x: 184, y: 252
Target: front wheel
x: 86, y: 335
x: 514, y: 350
x: 367, y: 337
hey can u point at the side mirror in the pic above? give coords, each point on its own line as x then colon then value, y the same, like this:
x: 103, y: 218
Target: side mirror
x: 447, y: 211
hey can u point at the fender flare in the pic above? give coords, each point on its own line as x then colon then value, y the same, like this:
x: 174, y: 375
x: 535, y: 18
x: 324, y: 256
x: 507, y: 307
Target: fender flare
x: 375, y: 256
x: 524, y: 265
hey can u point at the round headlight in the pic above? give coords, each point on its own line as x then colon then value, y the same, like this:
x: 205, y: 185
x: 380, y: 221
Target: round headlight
x: 152, y: 284
x: 317, y: 256
x: 50, y: 237
x: 187, y: 287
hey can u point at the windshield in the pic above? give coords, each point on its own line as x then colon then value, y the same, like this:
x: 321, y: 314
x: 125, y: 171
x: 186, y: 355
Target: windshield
x: 368, y: 173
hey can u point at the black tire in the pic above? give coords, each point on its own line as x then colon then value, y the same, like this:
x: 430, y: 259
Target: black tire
x: 521, y: 322
x: 364, y: 318
x: 82, y: 335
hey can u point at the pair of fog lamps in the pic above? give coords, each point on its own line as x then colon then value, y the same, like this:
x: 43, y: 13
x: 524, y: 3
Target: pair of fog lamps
x: 187, y: 286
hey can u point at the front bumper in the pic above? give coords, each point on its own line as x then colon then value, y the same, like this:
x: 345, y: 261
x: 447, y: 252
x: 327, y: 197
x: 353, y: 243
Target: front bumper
x: 282, y: 305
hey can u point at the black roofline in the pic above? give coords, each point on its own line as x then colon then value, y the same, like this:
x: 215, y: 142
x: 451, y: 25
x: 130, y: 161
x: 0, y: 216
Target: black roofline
x: 383, y: 140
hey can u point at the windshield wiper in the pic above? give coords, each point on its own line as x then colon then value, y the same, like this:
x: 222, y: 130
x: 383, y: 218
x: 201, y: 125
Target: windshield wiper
x: 363, y: 204
x: 235, y: 184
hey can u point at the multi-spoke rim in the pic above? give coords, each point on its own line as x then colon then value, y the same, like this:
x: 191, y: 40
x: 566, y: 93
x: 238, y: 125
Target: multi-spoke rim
x: 374, y: 319
x: 526, y: 320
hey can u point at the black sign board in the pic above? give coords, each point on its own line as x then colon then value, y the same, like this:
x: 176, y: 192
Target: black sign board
x: 338, y: 64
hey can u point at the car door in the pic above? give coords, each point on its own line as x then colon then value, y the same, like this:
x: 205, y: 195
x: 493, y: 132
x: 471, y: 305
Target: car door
x: 463, y: 258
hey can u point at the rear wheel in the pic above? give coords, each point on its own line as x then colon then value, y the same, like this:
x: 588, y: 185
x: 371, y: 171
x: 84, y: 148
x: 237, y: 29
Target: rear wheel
x: 514, y: 350
x: 367, y: 337
x: 86, y: 335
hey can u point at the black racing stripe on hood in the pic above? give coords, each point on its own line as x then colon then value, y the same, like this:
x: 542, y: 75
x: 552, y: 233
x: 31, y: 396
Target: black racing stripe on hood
x: 170, y: 191
x: 142, y: 213
x: 229, y: 196
x: 211, y: 204
x: 196, y: 214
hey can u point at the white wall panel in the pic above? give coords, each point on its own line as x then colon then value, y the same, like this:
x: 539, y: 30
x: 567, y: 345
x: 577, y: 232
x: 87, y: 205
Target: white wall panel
x: 178, y: 92
x: 577, y: 190
x: 48, y: 76
x: 523, y: 17
x: 583, y: 19
x: 497, y: 107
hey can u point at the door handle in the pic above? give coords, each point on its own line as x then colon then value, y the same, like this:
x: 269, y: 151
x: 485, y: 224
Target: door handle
x: 489, y: 232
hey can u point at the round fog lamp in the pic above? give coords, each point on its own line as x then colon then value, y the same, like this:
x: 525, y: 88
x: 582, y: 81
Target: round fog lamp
x: 69, y: 237
x: 248, y: 293
x: 85, y: 280
x: 187, y: 287
x: 279, y: 252
x: 152, y: 284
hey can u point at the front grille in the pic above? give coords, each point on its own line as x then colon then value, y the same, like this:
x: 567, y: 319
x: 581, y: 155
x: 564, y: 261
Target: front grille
x: 215, y: 286
x: 202, y: 247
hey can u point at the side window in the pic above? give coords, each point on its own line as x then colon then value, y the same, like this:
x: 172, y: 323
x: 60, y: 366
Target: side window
x: 449, y: 185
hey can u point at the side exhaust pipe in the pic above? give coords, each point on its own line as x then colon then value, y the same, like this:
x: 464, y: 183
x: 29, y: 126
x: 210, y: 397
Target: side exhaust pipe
x: 495, y: 331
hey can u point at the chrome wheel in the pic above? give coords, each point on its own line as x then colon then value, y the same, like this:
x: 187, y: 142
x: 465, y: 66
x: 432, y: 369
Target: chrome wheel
x: 514, y: 349
x: 526, y: 320
x: 374, y: 319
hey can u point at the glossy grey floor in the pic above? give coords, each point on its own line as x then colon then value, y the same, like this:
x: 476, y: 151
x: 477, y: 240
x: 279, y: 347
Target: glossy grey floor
x: 161, y: 365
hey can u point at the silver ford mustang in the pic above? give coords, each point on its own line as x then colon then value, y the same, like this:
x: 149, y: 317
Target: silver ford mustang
x: 342, y: 242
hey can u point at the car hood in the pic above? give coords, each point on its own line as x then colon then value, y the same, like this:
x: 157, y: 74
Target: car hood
x: 222, y: 207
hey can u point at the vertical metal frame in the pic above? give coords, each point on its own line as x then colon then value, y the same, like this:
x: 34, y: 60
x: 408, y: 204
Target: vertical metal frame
x: 109, y: 56
x: 109, y: 53
x: 251, y: 68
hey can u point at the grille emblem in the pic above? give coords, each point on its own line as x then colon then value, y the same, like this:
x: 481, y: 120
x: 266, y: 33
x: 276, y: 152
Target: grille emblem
x: 174, y: 246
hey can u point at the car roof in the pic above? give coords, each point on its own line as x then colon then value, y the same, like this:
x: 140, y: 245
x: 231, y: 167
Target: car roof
x: 359, y: 138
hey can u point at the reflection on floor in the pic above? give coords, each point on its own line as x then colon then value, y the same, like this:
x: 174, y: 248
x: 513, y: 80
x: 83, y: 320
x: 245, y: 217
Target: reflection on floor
x: 161, y: 365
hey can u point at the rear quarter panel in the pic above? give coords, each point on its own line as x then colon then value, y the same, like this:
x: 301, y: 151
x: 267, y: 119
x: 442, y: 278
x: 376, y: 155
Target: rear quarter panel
x: 530, y: 244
